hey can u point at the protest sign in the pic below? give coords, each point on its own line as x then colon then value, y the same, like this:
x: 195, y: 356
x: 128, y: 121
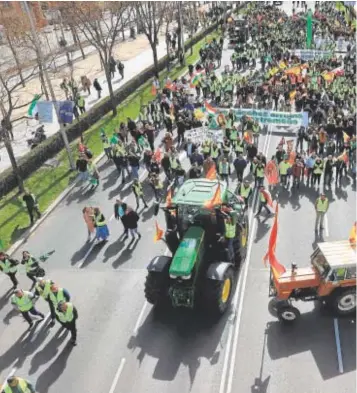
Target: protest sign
x: 66, y: 112
x: 201, y: 133
x: 311, y: 54
x: 45, y: 111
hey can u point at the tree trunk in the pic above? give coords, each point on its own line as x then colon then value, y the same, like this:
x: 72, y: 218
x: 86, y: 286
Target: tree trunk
x: 110, y: 87
x: 154, y: 54
x: 42, y: 80
x: 17, y: 61
x: 15, y: 168
x: 122, y: 29
x: 77, y: 40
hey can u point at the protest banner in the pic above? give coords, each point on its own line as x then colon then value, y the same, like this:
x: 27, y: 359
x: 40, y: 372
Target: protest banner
x: 311, y: 54
x: 65, y: 112
x: 201, y: 133
x: 272, y: 117
x: 45, y: 111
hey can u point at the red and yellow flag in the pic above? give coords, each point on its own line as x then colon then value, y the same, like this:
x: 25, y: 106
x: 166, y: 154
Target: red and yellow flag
x: 169, y: 198
x: 293, y: 71
x: 346, y: 137
x: 292, y: 157
x: 212, y: 173
x: 216, y: 200
x: 344, y: 157
x: 277, y: 268
x: 272, y: 173
x: 267, y: 196
x: 158, y: 232
x: 352, y: 237
x: 157, y: 155
x: 247, y: 136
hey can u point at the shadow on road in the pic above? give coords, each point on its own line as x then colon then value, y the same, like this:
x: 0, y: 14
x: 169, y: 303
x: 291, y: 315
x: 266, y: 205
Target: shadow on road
x: 176, y: 337
x: 313, y: 332
x: 54, y: 371
x: 5, y: 299
x: 126, y: 254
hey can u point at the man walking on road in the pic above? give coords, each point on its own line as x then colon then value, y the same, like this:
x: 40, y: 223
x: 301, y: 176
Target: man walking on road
x: 17, y: 385
x: 57, y: 295
x: 137, y: 188
x: 67, y: 315
x: 9, y: 267
x: 23, y: 300
x: 43, y: 289
x: 321, y: 207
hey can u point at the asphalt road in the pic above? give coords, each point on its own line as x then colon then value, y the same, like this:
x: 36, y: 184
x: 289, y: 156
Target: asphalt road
x: 124, y: 346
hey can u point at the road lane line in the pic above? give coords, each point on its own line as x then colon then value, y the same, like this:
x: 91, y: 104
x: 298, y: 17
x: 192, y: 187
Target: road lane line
x: 94, y: 243
x: 327, y: 233
x: 338, y: 346
x: 140, y: 318
x: 117, y: 375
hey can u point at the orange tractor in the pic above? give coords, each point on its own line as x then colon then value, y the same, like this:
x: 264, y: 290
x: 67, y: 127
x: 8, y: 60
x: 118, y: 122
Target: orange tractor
x: 331, y: 279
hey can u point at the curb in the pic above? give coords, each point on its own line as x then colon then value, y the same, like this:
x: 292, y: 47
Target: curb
x: 56, y: 202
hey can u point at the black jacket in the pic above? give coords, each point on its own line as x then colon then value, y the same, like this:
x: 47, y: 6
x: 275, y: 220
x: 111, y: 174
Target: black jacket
x: 131, y: 220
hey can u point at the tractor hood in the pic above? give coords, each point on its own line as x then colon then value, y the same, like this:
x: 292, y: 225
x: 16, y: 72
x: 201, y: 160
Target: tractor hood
x: 186, y: 255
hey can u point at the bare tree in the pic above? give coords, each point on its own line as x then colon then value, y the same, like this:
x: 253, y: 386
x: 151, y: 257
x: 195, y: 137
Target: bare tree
x: 101, y: 24
x: 152, y: 15
x: 9, y: 102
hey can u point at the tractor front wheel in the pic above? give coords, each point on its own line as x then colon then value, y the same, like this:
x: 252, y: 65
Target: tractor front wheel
x: 288, y: 314
x: 344, y: 302
x: 156, y: 288
x: 217, y: 293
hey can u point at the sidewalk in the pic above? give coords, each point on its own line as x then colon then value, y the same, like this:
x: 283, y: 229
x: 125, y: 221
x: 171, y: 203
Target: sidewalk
x: 136, y: 56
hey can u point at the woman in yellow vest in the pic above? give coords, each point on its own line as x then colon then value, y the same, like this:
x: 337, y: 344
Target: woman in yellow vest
x: 284, y: 167
x: 102, y: 231
x: 18, y: 385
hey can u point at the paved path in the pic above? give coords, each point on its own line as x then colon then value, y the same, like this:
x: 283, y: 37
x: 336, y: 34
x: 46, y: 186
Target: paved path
x: 124, y: 347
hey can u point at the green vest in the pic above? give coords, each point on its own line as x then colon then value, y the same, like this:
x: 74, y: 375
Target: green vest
x: 262, y: 197
x: 22, y: 387
x: 283, y: 168
x: 214, y: 152
x: 57, y: 297
x: 30, y: 265
x: 81, y: 102
x: 230, y: 230
x: 173, y: 163
x: 7, y: 267
x: 233, y: 135
x: 66, y: 316
x: 260, y: 172
x: 244, y: 191
x: 223, y: 168
x: 322, y: 205
x: 98, y: 221
x: 23, y: 303
x: 206, y: 147
x: 238, y: 146
x: 138, y: 188
x: 318, y: 169
x: 45, y: 291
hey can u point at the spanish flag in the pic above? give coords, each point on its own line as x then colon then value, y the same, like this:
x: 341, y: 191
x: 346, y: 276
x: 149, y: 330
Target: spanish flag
x: 169, y: 198
x: 216, y: 200
x: 277, y: 268
x: 352, y: 237
x: 346, y: 137
x: 158, y: 233
x: 212, y: 173
x: 267, y: 196
x: 344, y: 157
x: 272, y: 172
x: 292, y: 94
x: 294, y: 70
x: 247, y: 136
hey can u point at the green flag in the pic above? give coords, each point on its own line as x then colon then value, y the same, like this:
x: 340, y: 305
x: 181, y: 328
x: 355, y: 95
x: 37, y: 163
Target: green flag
x: 309, y: 29
x: 32, y: 108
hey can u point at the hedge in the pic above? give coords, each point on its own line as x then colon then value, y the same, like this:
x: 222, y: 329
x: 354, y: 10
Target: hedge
x: 33, y: 160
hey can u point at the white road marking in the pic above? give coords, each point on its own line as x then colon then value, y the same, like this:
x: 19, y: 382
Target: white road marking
x: 12, y: 372
x: 338, y: 346
x: 166, y: 253
x: 140, y: 318
x: 117, y: 375
x: 94, y: 243
x: 327, y: 233
x: 231, y: 350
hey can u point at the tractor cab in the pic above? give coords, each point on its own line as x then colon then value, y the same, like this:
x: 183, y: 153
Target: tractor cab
x: 331, y: 278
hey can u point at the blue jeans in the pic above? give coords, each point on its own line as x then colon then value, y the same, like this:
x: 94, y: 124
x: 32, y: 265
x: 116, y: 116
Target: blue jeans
x: 230, y: 248
x: 83, y: 176
x: 135, y: 172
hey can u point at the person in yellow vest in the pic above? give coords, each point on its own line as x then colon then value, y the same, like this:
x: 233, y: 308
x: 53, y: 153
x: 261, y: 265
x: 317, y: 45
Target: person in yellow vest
x: 101, y: 227
x: 24, y: 302
x: 17, y: 385
x: 244, y: 190
x: 55, y: 296
x: 43, y: 289
x: 224, y: 170
x: 229, y: 234
x: 238, y: 146
x: 259, y: 174
x: 9, y: 267
x: 317, y: 171
x: 256, y: 131
x: 264, y: 199
x: 214, y: 152
x: 138, y: 191
x: 206, y: 148
x: 67, y: 316
x: 157, y: 186
x: 284, y: 168
x: 321, y: 207
x: 32, y: 267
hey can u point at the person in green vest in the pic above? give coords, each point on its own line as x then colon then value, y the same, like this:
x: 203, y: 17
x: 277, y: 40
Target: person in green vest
x: 317, y: 171
x: 230, y: 232
x: 30, y: 202
x: 217, y: 91
x: 32, y: 267
x: 321, y: 207
x: 214, y: 153
x: 9, y: 267
x: 224, y: 170
x: 284, y: 167
x: 17, y: 385
x: 67, y: 316
x: 80, y: 102
x: 106, y: 145
x: 259, y: 174
x: 24, y: 302
x: 138, y: 191
x: 57, y: 295
x: 244, y: 190
x: 238, y: 146
x: 43, y: 289
x: 256, y: 131
x: 206, y: 148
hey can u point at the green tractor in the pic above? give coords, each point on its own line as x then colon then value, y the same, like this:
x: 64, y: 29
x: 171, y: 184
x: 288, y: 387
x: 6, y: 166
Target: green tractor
x: 202, y: 271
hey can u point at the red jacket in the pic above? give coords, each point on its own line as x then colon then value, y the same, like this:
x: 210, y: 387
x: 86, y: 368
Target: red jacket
x: 297, y: 169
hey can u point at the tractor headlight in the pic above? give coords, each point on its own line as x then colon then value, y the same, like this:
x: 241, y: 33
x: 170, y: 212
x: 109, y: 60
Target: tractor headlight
x: 186, y: 277
x: 173, y: 276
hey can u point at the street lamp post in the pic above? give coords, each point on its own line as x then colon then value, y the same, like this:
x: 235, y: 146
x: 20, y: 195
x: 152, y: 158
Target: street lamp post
x: 181, y: 38
x: 49, y: 84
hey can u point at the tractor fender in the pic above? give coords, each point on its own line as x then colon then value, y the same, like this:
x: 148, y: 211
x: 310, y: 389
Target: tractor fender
x: 216, y: 270
x: 159, y: 263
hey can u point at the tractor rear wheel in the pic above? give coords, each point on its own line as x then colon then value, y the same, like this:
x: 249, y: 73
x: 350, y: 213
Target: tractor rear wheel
x: 157, y: 288
x: 344, y: 302
x: 217, y: 293
x: 241, y: 242
x: 288, y: 314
